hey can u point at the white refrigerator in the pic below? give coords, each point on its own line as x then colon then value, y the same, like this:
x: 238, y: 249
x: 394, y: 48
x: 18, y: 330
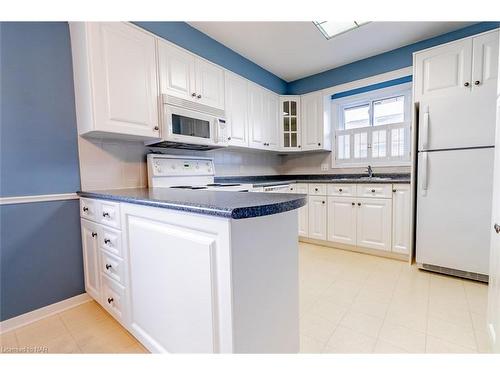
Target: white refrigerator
x: 454, y: 188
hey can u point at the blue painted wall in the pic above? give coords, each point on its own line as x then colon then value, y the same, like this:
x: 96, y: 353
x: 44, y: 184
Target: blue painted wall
x: 40, y: 257
x: 40, y: 243
x: 38, y: 122
x: 197, y: 42
x: 385, y: 62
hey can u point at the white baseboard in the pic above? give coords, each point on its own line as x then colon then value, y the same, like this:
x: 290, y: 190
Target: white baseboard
x: 43, y: 312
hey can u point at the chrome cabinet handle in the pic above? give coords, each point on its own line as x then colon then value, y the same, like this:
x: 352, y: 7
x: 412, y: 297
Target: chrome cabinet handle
x: 477, y: 83
x: 497, y: 228
x: 104, y: 214
x: 85, y: 209
x: 110, y: 300
x: 108, y: 266
x: 94, y: 234
x: 466, y: 84
x: 107, y: 240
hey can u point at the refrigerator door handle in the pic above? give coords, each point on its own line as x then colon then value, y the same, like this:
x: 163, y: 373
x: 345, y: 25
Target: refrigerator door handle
x: 425, y: 130
x: 424, y: 178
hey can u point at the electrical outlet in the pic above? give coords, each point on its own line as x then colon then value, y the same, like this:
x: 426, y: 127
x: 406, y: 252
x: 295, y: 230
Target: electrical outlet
x: 324, y: 167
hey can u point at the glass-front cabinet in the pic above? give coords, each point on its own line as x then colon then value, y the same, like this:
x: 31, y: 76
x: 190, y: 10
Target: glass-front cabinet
x: 290, y: 122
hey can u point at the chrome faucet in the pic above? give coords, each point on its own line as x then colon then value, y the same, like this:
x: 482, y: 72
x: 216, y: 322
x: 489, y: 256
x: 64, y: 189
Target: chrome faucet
x: 370, y: 171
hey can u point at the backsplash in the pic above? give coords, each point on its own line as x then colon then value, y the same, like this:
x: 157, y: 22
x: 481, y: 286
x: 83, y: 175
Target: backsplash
x: 114, y: 164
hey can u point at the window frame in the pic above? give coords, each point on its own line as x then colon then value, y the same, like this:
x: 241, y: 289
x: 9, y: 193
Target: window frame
x: 369, y: 97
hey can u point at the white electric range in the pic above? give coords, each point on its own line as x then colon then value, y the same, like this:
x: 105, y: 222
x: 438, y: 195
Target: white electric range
x: 187, y: 172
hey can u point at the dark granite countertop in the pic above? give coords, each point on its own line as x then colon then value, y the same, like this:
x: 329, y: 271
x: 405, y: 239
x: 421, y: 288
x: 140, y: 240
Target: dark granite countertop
x: 236, y: 205
x: 260, y: 181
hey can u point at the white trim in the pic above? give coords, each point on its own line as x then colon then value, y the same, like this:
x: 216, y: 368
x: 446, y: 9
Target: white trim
x: 38, y: 198
x: 394, y: 74
x: 43, y: 312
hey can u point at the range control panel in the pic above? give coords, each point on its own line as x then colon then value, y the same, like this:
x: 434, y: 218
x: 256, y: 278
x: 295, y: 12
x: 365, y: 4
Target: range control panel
x: 163, y: 165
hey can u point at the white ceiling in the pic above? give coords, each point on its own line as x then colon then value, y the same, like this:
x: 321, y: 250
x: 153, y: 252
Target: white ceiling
x: 294, y: 50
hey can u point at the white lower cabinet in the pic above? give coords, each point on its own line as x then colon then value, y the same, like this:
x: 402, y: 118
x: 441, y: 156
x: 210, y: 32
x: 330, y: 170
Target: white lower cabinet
x: 317, y: 217
x: 91, y: 267
x: 401, y: 219
x: 373, y: 223
x: 342, y: 220
x: 172, y: 296
x: 303, y: 211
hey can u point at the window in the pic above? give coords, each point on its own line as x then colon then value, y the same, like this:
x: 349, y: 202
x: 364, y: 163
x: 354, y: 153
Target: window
x: 373, y: 127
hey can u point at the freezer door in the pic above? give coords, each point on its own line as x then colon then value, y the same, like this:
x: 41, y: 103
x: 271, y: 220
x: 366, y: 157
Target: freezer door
x: 460, y: 122
x: 454, y: 196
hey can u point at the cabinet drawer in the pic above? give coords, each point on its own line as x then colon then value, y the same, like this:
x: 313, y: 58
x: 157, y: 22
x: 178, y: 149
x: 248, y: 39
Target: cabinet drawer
x: 374, y: 191
x: 109, y: 213
x: 113, y: 297
x: 113, y: 267
x: 292, y: 189
x: 111, y: 240
x: 317, y: 189
x: 301, y: 189
x: 342, y: 190
x: 89, y: 209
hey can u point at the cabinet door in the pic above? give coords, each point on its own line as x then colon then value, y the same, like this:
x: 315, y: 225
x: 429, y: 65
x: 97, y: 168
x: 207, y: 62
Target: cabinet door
x: 304, y: 221
x: 171, y: 286
x: 125, y: 85
x: 236, y: 109
x: 256, y: 116
x: 91, y: 267
x: 271, y: 123
x: 317, y: 217
x: 401, y: 212
x: 312, y: 121
x: 289, y: 122
x: 177, y: 71
x: 373, y: 223
x: 342, y: 220
x: 209, y: 84
x: 443, y: 71
x: 485, y: 61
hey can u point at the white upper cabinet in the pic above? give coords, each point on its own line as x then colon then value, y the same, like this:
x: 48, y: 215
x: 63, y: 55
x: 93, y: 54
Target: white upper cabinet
x: 116, y: 88
x: 444, y: 70
x: 456, y: 68
x: 186, y: 76
x: 177, y: 71
x: 236, y: 109
x: 401, y: 216
x: 315, y: 124
x: 271, y: 103
x: 485, y: 62
x: 289, y: 123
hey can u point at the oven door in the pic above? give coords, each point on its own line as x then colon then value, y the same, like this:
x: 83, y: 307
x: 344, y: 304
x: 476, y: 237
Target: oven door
x: 187, y: 126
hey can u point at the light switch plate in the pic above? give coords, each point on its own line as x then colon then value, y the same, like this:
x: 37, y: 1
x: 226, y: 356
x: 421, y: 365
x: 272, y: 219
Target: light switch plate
x: 324, y: 167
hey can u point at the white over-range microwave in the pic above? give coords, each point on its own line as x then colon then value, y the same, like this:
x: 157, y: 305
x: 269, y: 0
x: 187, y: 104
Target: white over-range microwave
x: 192, y: 126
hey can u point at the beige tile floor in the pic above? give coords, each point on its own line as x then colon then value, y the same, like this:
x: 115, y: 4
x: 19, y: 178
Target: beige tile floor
x: 349, y: 303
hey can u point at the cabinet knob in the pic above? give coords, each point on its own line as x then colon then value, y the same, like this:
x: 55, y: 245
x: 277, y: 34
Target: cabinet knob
x: 477, y: 83
x: 353, y: 203
x: 359, y: 204
x: 104, y: 214
x: 193, y: 94
x: 156, y: 128
x: 373, y: 190
x: 315, y: 189
x: 94, y: 234
x: 319, y: 144
x: 85, y: 209
x: 323, y: 202
x: 299, y: 146
x: 466, y: 84
x: 394, y: 190
x: 199, y: 96
x: 110, y: 299
x: 497, y: 228
x: 108, y: 266
x: 107, y: 240
x: 340, y: 189
x: 228, y: 138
